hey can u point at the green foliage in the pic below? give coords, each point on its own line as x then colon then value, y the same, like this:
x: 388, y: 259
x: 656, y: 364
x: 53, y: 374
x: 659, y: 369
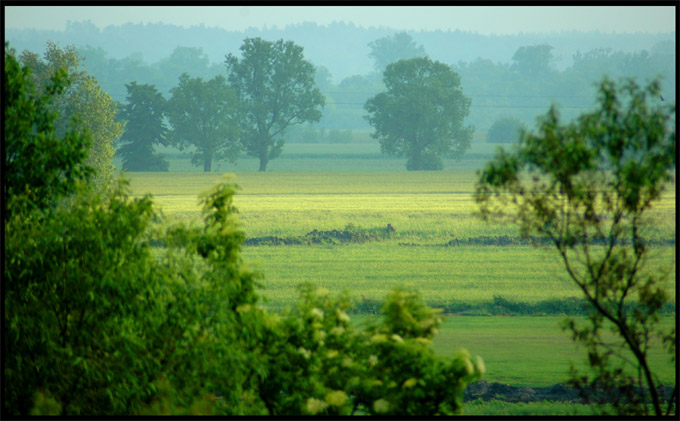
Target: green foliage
x: 278, y: 89
x: 421, y: 113
x: 73, y: 283
x: 322, y: 364
x: 40, y: 165
x: 505, y: 130
x: 95, y: 324
x: 387, y: 50
x: 81, y: 105
x: 145, y: 127
x: 586, y: 181
x: 205, y: 115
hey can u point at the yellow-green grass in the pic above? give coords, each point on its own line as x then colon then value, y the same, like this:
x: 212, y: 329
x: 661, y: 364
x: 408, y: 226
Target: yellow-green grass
x: 427, y: 208
x: 424, y: 205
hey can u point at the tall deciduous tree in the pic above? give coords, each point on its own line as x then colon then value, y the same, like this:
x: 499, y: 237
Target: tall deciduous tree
x: 145, y: 127
x: 277, y: 87
x: 388, y: 50
x: 421, y: 114
x: 207, y: 116
x: 587, y: 186
x: 82, y: 106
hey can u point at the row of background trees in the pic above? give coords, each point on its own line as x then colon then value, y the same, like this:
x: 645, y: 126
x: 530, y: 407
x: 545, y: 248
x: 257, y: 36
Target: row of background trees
x: 489, y: 66
x: 149, y: 42
x: 498, y: 89
x: 269, y: 89
x: 505, y: 96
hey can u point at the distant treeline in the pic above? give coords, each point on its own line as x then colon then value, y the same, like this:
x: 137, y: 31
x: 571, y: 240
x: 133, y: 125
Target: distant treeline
x: 156, y: 41
x: 505, y: 76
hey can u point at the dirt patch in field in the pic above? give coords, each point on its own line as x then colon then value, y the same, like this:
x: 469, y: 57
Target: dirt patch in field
x: 348, y: 235
x: 557, y: 392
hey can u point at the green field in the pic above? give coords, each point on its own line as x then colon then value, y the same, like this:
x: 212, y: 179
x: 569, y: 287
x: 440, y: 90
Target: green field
x: 427, y: 209
x: 527, y: 350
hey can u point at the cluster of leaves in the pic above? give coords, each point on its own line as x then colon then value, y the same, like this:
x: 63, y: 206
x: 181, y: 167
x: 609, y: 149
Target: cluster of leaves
x: 589, y: 180
x: 98, y: 323
x: 325, y: 365
x: 31, y: 140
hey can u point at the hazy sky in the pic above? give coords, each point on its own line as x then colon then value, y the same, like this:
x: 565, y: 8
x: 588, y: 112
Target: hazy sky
x: 481, y: 19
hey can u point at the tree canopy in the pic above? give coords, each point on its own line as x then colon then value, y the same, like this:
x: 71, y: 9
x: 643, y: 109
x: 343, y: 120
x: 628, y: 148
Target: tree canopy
x: 587, y: 186
x: 532, y: 60
x: 205, y: 115
x: 421, y: 113
x: 277, y: 88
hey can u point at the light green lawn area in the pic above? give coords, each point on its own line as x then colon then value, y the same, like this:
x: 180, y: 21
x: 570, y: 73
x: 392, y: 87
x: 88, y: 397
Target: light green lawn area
x: 426, y: 205
x: 443, y: 275
x: 525, y: 350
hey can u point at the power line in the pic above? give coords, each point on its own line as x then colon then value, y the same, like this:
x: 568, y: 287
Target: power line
x: 494, y: 106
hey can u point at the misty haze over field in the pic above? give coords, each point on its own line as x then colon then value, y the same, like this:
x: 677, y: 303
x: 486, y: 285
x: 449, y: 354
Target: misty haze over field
x: 155, y: 45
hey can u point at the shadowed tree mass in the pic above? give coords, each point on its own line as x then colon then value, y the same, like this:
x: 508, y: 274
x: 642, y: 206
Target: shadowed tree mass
x: 145, y: 127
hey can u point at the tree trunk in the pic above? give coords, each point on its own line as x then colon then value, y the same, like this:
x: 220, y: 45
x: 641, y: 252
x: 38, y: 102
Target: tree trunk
x: 207, y: 164
x: 263, y: 160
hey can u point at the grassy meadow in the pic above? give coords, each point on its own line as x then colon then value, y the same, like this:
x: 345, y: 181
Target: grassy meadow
x: 327, y: 187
